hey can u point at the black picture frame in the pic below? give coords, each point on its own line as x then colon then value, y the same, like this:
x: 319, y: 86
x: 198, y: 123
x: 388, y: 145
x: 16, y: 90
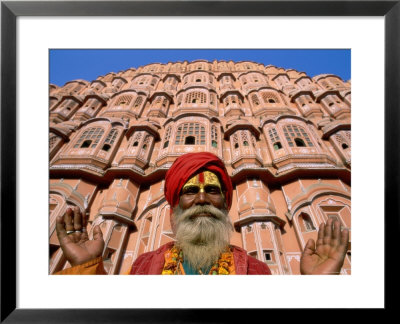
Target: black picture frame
x: 10, y: 10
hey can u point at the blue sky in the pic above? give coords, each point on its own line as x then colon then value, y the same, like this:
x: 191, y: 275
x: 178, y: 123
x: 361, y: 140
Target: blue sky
x: 88, y: 64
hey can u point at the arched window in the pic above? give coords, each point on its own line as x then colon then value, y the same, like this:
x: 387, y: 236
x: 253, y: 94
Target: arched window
x: 214, y: 136
x: 191, y: 134
x: 138, y: 101
x: 235, y: 141
x: 153, y: 82
x: 110, y: 140
x: 254, y: 99
x: 296, y: 135
x: 325, y: 84
x: 90, y: 138
x: 306, y: 223
x: 123, y: 100
x: 53, y: 140
x: 275, y: 140
x: 269, y: 97
x: 343, y: 141
x: 190, y: 140
x: 196, y: 97
x: 299, y: 142
x: 167, y: 136
x: 146, y: 143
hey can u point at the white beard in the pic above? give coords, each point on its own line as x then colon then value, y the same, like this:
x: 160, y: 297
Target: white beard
x: 202, y: 239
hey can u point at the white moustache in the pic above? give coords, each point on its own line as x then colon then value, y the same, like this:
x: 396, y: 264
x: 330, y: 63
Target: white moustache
x: 202, y: 211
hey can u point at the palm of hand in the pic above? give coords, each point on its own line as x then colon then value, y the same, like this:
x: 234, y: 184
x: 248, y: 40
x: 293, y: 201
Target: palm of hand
x: 328, y: 256
x: 78, y: 249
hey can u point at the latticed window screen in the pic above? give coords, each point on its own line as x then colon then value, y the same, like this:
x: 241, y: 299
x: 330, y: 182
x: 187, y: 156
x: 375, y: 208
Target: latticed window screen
x: 275, y: 140
x: 111, y: 137
x: 52, y: 140
x: 142, y: 81
x: 325, y: 84
x: 293, y: 133
x: 138, y: 101
x: 192, y: 130
x: 146, y: 142
x: 273, y: 135
x: 347, y: 134
x: 136, y: 139
x: 212, y: 99
x: 167, y: 136
x: 269, y: 97
x: 196, y: 97
x: 244, y: 137
x: 91, y: 137
x: 214, y: 136
x: 124, y: 100
x: 180, y: 99
x: 235, y: 141
x: 255, y: 100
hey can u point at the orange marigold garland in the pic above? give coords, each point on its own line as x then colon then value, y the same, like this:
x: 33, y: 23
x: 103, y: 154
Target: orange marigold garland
x: 174, y: 257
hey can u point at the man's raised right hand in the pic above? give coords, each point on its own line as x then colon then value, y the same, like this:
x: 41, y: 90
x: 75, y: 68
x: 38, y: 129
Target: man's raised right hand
x: 74, y: 240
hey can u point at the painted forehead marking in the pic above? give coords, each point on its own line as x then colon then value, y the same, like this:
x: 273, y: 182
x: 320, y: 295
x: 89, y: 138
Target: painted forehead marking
x: 202, y: 179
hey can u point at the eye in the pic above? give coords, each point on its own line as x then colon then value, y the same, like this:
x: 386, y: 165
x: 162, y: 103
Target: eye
x: 212, y: 189
x: 190, y: 190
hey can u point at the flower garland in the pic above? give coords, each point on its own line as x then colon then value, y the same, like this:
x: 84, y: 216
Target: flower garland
x: 174, y: 259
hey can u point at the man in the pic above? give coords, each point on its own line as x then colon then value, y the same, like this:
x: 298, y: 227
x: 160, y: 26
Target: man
x: 199, y: 191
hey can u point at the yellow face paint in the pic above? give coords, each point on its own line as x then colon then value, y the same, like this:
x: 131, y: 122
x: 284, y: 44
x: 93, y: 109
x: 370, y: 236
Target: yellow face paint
x: 202, y: 180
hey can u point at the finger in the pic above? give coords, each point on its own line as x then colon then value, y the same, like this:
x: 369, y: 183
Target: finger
x: 328, y: 231
x: 68, y: 220
x: 309, y: 249
x: 344, y: 241
x: 77, y: 219
x: 60, y: 229
x: 320, y: 239
x: 336, y: 233
x: 97, y: 233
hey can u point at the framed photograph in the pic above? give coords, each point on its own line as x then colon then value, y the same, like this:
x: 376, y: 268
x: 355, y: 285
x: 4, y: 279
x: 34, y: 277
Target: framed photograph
x: 370, y: 29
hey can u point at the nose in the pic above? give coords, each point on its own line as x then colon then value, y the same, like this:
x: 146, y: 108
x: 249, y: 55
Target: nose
x: 201, y: 198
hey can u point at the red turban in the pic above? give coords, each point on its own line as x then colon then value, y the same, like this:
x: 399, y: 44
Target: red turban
x: 186, y: 166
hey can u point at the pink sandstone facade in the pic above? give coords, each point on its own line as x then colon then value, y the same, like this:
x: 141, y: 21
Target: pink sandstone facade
x: 284, y: 138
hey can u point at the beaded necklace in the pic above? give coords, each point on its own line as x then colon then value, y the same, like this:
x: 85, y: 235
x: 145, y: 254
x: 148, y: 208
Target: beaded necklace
x: 174, y: 260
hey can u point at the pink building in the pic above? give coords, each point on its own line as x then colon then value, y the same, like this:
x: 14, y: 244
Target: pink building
x: 285, y: 139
